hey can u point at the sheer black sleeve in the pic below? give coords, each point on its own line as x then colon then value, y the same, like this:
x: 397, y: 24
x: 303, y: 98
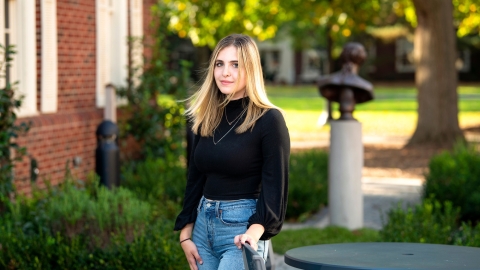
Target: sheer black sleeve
x: 193, y: 191
x: 272, y: 203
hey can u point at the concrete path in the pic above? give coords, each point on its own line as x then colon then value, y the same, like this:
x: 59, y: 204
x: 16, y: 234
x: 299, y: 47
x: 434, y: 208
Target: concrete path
x: 379, y: 195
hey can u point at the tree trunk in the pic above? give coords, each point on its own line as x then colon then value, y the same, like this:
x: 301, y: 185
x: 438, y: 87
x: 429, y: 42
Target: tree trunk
x: 436, y: 76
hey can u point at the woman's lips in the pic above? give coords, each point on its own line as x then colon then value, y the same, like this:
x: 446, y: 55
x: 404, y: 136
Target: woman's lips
x: 226, y: 82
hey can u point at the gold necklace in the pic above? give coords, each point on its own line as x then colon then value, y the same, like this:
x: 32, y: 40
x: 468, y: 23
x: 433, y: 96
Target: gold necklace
x: 230, y: 123
x: 237, y: 120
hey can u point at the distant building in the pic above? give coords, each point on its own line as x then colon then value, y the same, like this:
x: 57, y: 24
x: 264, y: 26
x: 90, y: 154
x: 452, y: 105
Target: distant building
x: 387, y: 61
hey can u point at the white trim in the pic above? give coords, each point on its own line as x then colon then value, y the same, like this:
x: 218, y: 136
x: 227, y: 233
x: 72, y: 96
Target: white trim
x: 102, y: 40
x: 25, y: 64
x: 49, y: 54
x: 2, y: 41
x: 119, y: 45
x: 112, y: 46
x: 136, y: 32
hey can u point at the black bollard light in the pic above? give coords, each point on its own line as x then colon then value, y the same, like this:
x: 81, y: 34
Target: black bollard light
x: 107, y: 157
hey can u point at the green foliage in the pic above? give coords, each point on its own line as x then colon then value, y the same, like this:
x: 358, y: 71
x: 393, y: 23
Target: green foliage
x: 466, y: 235
x: 430, y: 222
x: 9, y: 130
x: 157, y: 248
x: 308, y: 184
x: 96, y: 213
x: 206, y: 22
x: 154, y: 117
x: 160, y: 181
x: 86, y: 226
x: 455, y: 177
x: 289, y: 239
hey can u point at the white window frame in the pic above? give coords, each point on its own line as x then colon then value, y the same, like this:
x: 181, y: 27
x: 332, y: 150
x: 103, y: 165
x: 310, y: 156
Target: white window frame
x: 2, y: 41
x: 404, y: 48
x: 24, y: 66
x: 136, y: 32
x: 49, y: 81
x: 112, y: 46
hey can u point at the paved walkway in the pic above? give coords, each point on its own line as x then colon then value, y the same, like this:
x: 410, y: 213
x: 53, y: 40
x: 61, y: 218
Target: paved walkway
x: 379, y: 195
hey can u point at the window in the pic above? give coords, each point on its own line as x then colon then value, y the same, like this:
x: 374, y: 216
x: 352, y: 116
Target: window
x: 404, y: 61
x: 112, y: 46
x: 18, y: 28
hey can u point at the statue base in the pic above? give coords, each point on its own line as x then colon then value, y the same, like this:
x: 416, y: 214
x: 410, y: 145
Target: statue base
x: 345, y: 197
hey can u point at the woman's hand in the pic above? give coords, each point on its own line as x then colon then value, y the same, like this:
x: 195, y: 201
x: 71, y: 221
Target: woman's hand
x: 245, y: 238
x: 191, y: 252
x: 252, y: 235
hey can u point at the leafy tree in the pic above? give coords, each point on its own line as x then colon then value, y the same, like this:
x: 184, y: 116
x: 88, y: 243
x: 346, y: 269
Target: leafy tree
x: 435, y: 53
x: 330, y: 23
x: 10, y: 152
x: 153, y: 116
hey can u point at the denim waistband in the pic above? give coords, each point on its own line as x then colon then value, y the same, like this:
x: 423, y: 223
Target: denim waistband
x: 226, y: 204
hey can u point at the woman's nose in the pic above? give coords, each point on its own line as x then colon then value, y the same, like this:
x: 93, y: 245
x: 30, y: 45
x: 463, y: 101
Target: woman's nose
x: 226, y: 71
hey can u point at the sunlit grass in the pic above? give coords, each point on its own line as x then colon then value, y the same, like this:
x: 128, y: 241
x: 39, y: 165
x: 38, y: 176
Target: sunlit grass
x: 393, y: 112
x: 289, y: 239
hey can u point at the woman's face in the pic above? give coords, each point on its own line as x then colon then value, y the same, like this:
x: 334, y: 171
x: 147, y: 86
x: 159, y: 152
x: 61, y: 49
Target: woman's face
x: 227, y: 73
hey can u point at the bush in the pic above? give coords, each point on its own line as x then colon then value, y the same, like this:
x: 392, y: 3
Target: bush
x: 97, y: 214
x: 158, y: 248
x: 79, y: 226
x: 455, y: 176
x: 429, y: 222
x: 308, y: 185
x: 160, y: 181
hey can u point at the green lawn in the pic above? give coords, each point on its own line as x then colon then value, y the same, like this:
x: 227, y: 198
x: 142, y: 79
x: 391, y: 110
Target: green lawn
x: 289, y: 239
x: 392, y: 112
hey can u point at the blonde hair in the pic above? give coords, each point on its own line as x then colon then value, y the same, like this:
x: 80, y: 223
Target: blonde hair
x: 208, y: 103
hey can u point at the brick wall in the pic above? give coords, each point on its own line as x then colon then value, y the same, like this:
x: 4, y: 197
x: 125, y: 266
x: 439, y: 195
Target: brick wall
x: 57, y: 138
x: 68, y: 134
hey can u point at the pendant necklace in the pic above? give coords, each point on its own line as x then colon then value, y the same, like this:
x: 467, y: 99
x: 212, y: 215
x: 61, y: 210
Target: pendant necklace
x: 236, y: 121
x: 230, y: 123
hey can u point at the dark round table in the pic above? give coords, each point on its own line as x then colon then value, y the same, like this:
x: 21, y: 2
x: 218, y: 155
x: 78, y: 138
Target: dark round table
x: 383, y: 256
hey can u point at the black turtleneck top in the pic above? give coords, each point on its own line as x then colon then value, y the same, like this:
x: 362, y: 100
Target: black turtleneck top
x: 251, y: 165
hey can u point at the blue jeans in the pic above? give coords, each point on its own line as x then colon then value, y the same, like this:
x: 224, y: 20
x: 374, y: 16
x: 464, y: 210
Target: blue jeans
x: 218, y: 222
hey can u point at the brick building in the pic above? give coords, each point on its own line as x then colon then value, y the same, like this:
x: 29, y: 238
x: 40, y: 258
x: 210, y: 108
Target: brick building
x: 67, y: 51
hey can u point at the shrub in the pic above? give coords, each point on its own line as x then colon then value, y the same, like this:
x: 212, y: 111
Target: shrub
x: 455, y: 176
x: 308, y: 184
x: 160, y: 181
x: 10, y: 151
x: 467, y: 235
x: 429, y: 222
x: 97, y: 214
x: 158, y: 248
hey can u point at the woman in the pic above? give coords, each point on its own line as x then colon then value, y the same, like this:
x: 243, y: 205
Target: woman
x: 238, y: 171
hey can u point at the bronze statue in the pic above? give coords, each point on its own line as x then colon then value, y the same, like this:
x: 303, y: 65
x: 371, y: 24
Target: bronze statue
x: 345, y: 86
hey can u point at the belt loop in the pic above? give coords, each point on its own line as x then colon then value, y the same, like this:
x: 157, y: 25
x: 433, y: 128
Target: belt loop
x: 200, y: 203
x: 217, y: 206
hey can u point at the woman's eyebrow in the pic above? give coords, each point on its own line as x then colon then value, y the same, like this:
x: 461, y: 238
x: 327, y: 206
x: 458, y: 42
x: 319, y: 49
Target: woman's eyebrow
x: 232, y: 61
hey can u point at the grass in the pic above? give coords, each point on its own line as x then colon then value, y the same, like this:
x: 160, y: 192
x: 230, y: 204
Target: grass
x: 392, y: 112
x: 289, y: 239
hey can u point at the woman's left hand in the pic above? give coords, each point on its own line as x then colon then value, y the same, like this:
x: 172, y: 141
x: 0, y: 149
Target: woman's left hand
x: 242, y: 238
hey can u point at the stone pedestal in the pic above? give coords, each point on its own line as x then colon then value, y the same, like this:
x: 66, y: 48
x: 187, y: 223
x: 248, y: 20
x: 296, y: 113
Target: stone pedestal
x: 345, y: 198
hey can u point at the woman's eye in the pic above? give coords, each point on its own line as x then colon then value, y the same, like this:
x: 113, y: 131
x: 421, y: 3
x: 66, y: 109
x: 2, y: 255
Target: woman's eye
x: 235, y: 65
x: 218, y: 64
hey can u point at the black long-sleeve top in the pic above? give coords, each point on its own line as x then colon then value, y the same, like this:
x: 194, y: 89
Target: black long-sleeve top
x: 251, y: 165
